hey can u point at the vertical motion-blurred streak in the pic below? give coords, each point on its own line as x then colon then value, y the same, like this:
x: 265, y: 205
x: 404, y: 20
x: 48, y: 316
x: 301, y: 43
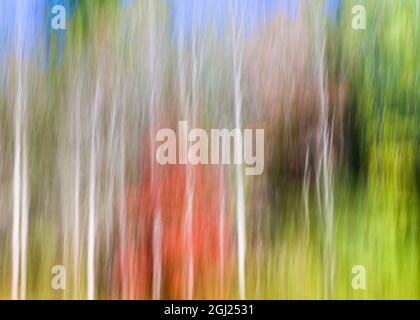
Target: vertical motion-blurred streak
x: 237, y: 26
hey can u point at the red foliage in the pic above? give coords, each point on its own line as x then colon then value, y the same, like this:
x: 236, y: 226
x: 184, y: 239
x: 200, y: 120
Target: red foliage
x: 156, y: 220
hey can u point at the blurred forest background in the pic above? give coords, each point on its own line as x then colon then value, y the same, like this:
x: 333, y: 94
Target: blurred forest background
x: 80, y: 187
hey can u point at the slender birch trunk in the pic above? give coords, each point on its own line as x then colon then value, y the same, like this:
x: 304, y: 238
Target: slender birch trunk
x: 237, y: 25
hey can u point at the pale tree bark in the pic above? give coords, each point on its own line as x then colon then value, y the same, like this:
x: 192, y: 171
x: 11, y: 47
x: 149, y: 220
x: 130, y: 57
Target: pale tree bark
x: 91, y: 234
x: 237, y: 26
